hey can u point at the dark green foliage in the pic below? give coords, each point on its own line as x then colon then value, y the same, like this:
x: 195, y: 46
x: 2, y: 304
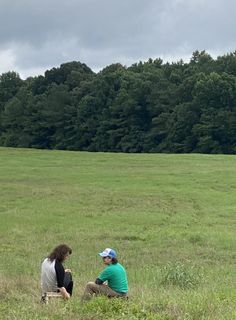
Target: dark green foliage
x: 149, y: 107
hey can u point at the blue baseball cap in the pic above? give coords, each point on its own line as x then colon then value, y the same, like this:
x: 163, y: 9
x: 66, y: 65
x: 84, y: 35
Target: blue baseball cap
x: 108, y: 252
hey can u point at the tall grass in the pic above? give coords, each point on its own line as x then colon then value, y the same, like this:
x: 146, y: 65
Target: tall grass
x: 183, y: 276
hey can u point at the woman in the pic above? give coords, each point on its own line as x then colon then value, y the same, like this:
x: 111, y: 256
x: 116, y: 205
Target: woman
x: 54, y: 278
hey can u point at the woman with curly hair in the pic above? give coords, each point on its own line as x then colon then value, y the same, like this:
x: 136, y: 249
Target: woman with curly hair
x: 54, y: 278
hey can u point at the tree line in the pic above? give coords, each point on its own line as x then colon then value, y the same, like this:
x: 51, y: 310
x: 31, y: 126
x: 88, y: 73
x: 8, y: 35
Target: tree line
x: 150, y: 106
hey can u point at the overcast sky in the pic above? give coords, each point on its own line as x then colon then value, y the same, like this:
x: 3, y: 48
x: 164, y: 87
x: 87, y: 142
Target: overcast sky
x: 36, y: 35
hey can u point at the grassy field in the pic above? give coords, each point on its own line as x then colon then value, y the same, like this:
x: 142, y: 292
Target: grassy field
x: 171, y: 218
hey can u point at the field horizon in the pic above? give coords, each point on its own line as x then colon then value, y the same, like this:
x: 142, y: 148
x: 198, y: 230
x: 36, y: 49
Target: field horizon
x: 171, y: 218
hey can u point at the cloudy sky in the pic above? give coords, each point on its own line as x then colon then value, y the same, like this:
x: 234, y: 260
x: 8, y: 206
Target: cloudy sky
x: 36, y: 35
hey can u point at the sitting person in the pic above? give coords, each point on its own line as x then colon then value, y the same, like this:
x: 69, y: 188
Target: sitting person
x: 111, y: 282
x: 54, y: 278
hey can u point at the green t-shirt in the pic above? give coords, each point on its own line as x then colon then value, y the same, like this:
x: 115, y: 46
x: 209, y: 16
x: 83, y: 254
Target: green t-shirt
x: 116, y: 277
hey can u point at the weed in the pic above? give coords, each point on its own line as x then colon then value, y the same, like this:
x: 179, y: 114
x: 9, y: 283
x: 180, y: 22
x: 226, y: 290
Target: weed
x: 181, y: 275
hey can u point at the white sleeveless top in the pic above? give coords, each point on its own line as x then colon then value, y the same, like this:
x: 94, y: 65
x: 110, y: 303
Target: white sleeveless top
x: 48, y: 276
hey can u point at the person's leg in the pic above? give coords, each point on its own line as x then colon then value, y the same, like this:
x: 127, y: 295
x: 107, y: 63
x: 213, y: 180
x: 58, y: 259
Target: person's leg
x: 94, y: 289
x: 90, y: 290
x: 68, y: 283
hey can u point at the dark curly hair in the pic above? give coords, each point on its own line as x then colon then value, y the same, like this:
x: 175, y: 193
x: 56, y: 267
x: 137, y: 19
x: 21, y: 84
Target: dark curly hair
x: 60, y: 252
x: 114, y: 261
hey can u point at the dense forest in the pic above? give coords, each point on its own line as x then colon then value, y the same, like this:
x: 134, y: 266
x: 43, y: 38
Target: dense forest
x: 148, y: 107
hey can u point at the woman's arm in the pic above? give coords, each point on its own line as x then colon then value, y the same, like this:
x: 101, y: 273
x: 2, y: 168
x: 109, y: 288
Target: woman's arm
x: 60, y: 274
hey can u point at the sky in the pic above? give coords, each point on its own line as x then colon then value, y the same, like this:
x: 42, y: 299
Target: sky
x: 36, y: 35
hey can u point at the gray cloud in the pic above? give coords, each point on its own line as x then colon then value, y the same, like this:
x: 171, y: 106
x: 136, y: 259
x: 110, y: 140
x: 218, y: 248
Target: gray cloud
x: 36, y: 35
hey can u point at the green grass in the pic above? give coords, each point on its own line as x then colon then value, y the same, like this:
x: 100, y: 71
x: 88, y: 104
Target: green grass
x: 170, y: 217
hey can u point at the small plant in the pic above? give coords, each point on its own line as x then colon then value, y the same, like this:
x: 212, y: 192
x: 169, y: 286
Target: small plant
x: 183, y: 276
x: 196, y: 239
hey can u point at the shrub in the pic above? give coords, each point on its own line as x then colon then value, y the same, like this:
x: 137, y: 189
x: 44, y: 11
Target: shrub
x: 183, y: 276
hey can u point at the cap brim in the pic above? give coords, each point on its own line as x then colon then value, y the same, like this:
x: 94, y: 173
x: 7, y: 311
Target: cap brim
x: 102, y: 254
